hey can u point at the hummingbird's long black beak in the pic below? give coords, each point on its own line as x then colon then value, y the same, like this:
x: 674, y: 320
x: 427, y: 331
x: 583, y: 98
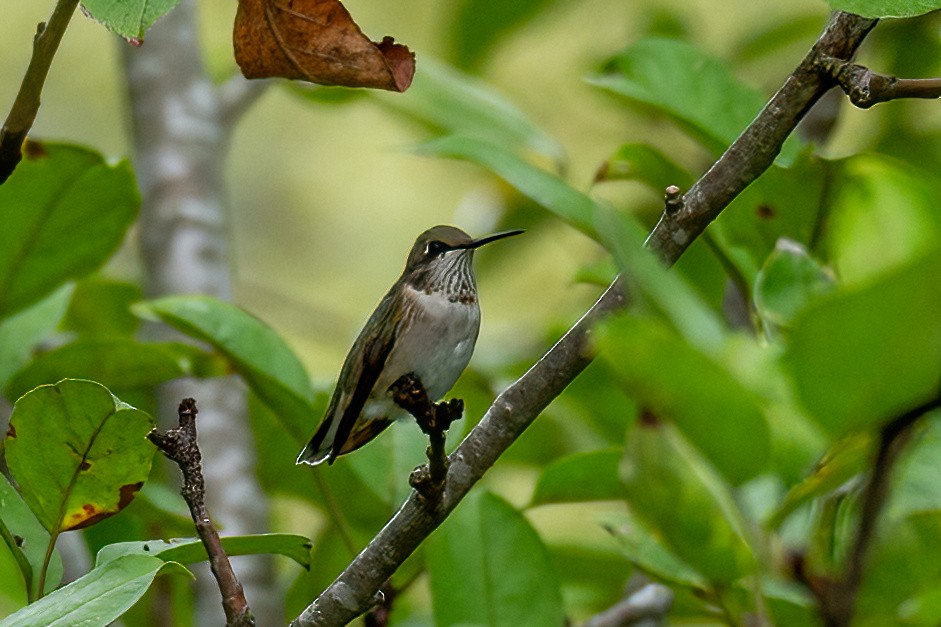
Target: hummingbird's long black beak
x: 477, y: 243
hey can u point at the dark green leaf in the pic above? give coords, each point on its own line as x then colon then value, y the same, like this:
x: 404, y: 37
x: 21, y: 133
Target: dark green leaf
x: 128, y: 18
x: 65, y: 212
x: 580, y: 477
x: 97, y: 598
x: 191, y: 550
x: 783, y: 202
x: 863, y: 356
x: 487, y: 564
x: 645, y: 164
x: 789, y: 280
x: 715, y: 411
x: 453, y: 103
x: 22, y: 331
x: 30, y: 539
x: 695, y: 90
x: 102, y: 307
x: 671, y: 488
x: 118, y: 363
x: 272, y: 370
x: 885, y: 8
x: 544, y: 188
x: 77, y: 453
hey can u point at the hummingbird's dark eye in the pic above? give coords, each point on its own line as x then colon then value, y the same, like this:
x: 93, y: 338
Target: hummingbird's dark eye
x: 435, y: 248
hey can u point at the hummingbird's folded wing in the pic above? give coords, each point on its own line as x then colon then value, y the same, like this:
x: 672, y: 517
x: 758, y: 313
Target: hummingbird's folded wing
x: 375, y: 351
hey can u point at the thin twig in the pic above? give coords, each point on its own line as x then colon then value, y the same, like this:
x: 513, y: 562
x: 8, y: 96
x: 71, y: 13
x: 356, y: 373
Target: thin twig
x: 518, y: 406
x: 648, y: 605
x: 866, y: 88
x: 236, y: 95
x: 180, y: 445
x: 838, y: 601
x: 23, y: 112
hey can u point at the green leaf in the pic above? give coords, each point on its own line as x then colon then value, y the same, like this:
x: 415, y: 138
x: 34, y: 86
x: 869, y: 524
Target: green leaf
x: 915, y: 487
x: 480, y: 24
x: 676, y: 493
x: 101, y: 307
x: 862, y: 356
x: 885, y: 8
x: 782, y: 203
x: 487, y: 565
x: 191, y: 550
x: 695, y: 90
x: 591, y: 476
x: 649, y: 555
x: 118, y: 364
x: 453, y: 103
x: 20, y: 333
x: 77, y: 453
x: 645, y: 164
x: 548, y: 190
x: 65, y: 212
x: 901, y: 562
x: 845, y: 459
x: 128, y: 18
x: 271, y: 369
x: 624, y: 237
x: 98, y: 597
x: 881, y: 205
x: 30, y: 539
x: 13, y: 594
x: 716, y: 412
x: 789, y: 280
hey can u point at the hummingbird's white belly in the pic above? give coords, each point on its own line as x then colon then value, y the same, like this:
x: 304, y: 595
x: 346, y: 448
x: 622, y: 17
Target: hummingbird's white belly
x: 435, y: 343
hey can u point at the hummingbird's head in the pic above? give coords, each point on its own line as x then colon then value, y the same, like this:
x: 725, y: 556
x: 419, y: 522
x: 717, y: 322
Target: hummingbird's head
x: 441, y: 259
x: 443, y: 245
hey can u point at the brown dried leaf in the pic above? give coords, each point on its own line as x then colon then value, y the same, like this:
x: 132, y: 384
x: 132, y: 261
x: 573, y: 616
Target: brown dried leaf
x: 316, y: 41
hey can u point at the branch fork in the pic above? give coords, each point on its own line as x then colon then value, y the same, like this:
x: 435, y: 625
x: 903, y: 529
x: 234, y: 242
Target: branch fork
x: 866, y: 88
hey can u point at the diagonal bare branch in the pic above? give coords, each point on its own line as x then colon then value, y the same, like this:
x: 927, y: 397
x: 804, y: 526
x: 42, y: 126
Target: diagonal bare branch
x: 353, y: 592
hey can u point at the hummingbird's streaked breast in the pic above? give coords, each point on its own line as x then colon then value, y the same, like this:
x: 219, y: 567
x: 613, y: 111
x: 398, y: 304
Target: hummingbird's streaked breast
x: 426, y: 325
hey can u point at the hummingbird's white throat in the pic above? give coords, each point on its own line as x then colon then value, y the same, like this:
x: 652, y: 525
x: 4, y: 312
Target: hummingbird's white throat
x: 451, y: 274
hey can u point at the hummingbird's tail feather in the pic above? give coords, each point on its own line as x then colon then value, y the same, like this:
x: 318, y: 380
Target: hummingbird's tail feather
x: 363, y: 433
x: 318, y: 449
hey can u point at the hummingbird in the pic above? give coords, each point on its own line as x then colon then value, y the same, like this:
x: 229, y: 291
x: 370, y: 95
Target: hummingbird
x: 425, y: 326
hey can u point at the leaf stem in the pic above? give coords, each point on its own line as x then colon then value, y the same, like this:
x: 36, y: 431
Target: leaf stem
x: 47, y: 558
x: 23, y: 112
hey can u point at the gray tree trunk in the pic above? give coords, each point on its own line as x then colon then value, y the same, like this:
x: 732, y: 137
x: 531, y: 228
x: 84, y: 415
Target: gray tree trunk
x: 181, y: 124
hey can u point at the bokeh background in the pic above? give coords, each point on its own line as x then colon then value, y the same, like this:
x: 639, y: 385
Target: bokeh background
x: 326, y: 196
